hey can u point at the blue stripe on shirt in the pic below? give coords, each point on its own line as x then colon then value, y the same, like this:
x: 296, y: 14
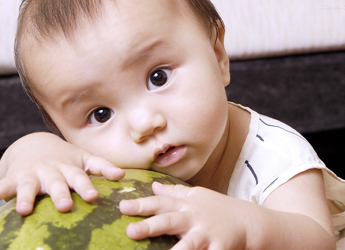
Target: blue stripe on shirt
x: 253, y: 172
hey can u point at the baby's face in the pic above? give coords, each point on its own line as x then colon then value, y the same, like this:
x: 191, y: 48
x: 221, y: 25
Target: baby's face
x: 142, y: 87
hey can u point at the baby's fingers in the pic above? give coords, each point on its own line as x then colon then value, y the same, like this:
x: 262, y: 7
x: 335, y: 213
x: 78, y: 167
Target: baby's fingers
x: 8, y: 188
x: 80, y: 182
x: 177, y: 191
x: 99, y: 166
x: 55, y: 185
x: 194, y: 240
x: 168, y: 223
x: 27, y: 190
x: 150, y: 205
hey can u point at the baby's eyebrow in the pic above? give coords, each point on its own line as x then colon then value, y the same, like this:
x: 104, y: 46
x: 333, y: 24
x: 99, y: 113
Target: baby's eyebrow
x: 143, y: 51
x: 74, y: 100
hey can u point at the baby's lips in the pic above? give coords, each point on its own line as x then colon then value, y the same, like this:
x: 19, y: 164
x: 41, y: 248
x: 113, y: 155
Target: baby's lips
x: 161, y: 150
x: 170, y: 157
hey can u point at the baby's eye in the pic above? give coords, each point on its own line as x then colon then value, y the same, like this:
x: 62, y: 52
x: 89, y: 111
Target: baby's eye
x: 100, y: 115
x: 158, y: 78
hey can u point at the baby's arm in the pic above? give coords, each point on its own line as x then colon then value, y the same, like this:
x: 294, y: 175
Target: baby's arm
x: 43, y: 163
x: 295, y: 216
x: 302, y: 206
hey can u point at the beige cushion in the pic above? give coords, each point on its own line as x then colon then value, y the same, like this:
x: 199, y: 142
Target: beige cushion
x: 268, y: 27
x: 8, y: 23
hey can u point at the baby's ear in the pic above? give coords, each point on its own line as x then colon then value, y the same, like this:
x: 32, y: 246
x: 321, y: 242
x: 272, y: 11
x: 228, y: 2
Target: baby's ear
x: 222, y: 56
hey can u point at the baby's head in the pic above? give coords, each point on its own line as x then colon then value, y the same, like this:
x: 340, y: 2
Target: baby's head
x: 45, y: 21
x: 124, y: 78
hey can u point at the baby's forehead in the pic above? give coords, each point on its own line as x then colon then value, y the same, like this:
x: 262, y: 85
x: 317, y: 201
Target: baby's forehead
x: 53, y: 33
x: 62, y: 20
x: 81, y: 24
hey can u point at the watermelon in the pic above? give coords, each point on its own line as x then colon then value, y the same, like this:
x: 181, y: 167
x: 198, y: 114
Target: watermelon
x: 95, y: 225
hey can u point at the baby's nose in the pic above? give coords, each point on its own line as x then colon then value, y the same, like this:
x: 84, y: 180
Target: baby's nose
x: 146, y: 125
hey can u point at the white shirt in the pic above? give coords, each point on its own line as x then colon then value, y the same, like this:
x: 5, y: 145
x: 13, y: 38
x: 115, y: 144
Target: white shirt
x: 272, y: 154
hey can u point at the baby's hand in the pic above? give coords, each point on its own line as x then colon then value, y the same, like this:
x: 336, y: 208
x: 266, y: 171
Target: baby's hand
x: 43, y: 163
x: 201, y: 218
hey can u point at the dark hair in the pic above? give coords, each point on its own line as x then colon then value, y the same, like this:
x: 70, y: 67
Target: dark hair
x: 49, y: 19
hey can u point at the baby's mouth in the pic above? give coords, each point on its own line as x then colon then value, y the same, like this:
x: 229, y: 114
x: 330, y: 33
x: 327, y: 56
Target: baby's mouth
x: 170, y: 148
x: 169, y: 155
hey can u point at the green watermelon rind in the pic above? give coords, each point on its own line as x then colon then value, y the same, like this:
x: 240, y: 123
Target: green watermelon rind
x: 88, y: 225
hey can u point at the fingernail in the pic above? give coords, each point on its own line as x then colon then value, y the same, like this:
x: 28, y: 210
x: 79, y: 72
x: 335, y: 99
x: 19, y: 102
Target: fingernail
x: 124, y: 206
x: 134, y: 231
x: 65, y: 201
x: 158, y: 184
x: 24, y: 205
x: 24, y: 208
x: 120, y: 171
x: 92, y: 192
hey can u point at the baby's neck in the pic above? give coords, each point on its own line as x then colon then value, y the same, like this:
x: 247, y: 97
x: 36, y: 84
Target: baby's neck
x: 217, y: 171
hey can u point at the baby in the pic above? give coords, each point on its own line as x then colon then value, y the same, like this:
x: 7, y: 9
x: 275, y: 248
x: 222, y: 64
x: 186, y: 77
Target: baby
x: 140, y: 84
